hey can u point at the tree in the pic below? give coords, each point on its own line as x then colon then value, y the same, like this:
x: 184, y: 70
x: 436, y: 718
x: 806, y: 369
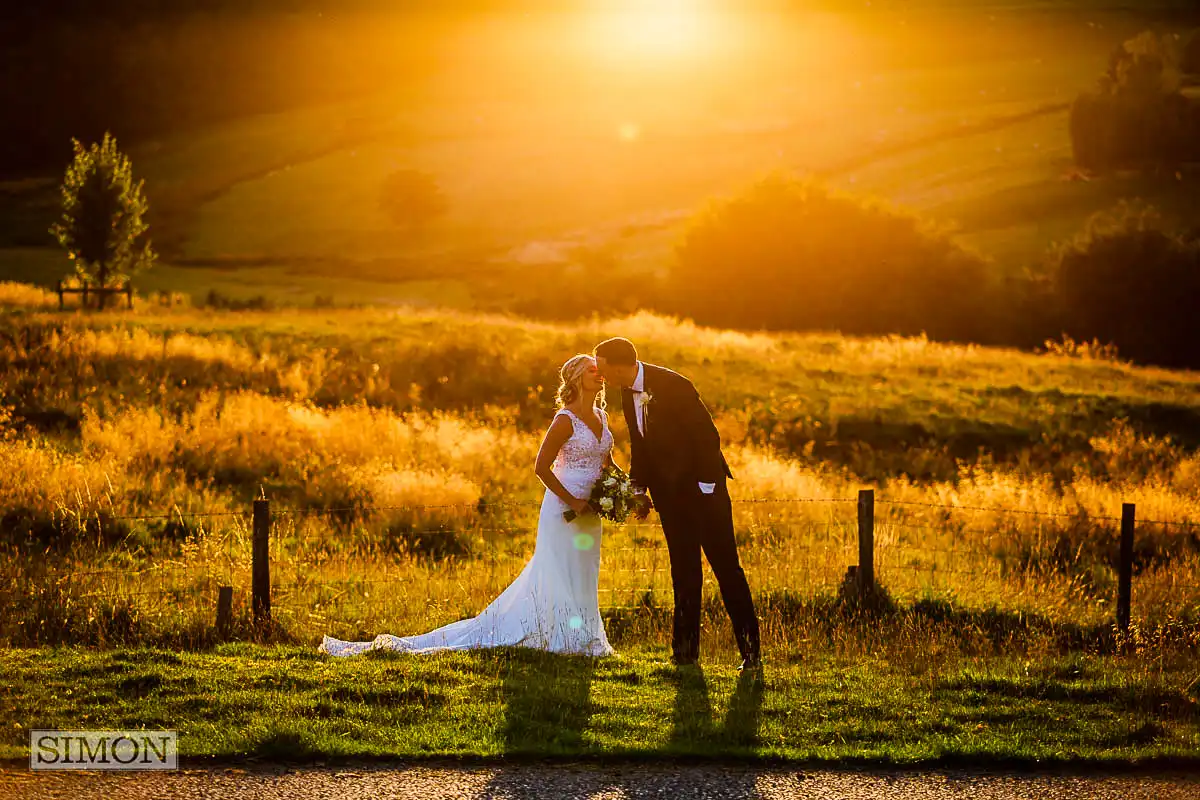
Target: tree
x: 1145, y: 66
x: 793, y: 255
x: 103, y: 227
x: 1131, y: 280
x: 1137, y: 116
x: 411, y: 199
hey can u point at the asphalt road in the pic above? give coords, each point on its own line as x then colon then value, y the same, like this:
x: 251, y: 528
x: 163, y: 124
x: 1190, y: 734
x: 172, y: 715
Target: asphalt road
x: 609, y: 782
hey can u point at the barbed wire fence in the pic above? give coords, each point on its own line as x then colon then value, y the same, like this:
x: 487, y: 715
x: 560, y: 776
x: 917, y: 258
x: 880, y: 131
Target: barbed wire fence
x: 853, y: 544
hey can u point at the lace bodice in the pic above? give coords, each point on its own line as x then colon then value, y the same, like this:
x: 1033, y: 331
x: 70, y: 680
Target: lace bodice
x: 579, y: 461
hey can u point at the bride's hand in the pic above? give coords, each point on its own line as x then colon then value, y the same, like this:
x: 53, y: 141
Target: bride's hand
x: 579, y: 505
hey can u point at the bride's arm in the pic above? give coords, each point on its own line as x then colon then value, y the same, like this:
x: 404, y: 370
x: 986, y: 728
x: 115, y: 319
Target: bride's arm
x: 608, y: 457
x: 558, y: 434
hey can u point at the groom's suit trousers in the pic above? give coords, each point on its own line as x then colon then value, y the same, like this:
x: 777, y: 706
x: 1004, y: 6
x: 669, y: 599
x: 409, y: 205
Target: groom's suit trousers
x: 694, y: 522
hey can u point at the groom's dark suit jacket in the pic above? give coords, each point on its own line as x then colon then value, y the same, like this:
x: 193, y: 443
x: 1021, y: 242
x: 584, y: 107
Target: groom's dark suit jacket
x: 681, y: 447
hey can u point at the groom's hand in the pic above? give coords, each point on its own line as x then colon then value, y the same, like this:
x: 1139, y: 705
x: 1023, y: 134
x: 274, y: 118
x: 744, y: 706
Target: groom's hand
x: 642, y: 506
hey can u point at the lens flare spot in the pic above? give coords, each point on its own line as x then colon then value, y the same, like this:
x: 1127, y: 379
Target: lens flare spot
x: 629, y: 132
x: 575, y: 622
x: 584, y: 541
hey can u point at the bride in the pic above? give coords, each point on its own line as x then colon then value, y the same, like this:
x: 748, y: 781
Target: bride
x: 553, y: 604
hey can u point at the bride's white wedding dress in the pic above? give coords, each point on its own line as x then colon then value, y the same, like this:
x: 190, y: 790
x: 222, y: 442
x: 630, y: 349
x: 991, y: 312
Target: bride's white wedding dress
x: 553, y: 603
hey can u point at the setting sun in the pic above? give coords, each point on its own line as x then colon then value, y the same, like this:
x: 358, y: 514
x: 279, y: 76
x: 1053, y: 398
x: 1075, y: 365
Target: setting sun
x: 662, y: 31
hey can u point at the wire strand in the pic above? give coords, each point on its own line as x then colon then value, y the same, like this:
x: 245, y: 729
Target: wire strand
x: 994, y: 510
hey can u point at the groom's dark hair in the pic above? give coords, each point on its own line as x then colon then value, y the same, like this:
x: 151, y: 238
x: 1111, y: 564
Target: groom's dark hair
x: 618, y: 351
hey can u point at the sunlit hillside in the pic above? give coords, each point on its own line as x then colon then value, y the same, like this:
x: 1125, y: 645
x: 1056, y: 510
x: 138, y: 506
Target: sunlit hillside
x: 585, y: 139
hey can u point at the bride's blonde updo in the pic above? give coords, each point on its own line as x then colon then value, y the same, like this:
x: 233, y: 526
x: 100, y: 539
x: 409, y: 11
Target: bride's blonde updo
x: 571, y: 381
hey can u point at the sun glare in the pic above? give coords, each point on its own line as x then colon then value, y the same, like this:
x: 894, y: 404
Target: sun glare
x: 660, y: 31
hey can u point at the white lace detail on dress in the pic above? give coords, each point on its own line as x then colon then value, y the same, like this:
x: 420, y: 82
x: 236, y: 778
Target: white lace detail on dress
x: 580, y: 460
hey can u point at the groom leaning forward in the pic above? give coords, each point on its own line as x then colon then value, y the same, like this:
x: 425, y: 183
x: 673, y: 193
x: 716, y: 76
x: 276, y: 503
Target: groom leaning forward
x: 676, y: 455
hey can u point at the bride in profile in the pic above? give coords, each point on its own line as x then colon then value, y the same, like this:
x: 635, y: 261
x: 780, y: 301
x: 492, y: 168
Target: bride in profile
x: 553, y: 604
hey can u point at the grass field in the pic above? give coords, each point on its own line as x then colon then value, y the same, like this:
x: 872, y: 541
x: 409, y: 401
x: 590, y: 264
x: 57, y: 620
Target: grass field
x: 289, y: 704
x: 435, y: 416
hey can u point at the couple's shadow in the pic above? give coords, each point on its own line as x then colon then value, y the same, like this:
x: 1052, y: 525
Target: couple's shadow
x: 692, y: 720
x: 547, y: 702
x: 551, y: 714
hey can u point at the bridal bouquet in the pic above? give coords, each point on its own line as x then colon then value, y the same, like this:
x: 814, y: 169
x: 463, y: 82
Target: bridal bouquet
x: 612, y: 496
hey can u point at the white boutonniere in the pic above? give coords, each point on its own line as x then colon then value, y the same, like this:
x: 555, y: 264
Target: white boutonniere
x: 645, y: 398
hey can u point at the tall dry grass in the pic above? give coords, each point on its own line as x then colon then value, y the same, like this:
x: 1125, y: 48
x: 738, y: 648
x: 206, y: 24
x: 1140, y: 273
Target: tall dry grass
x: 433, y: 554
x: 25, y: 296
x: 397, y: 451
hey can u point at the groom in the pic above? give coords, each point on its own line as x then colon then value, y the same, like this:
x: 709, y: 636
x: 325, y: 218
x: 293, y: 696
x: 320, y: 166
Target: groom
x: 676, y: 455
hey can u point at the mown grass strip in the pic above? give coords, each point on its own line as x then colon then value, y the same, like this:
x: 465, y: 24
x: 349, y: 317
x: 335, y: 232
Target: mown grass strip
x: 287, y: 703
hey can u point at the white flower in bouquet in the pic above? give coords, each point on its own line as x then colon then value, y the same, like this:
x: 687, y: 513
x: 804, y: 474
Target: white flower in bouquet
x: 610, y: 482
x: 607, y: 504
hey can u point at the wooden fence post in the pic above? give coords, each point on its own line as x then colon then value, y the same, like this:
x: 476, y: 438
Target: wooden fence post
x: 866, y: 541
x: 261, y: 574
x: 59, y: 288
x: 1125, y: 567
x: 224, y: 609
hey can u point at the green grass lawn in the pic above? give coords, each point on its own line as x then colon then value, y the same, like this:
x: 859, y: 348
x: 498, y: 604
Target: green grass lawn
x: 292, y: 703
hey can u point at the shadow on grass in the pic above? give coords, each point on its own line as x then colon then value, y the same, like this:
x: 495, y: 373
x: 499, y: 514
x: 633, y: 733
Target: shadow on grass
x: 745, y: 708
x: 693, y: 726
x: 694, y: 731
x: 553, y: 706
x: 547, y: 701
x: 547, y: 708
x: 287, y: 745
x: 1131, y: 699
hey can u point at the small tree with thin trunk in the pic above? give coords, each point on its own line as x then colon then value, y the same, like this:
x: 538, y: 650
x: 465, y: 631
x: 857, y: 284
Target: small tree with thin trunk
x: 103, y: 227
